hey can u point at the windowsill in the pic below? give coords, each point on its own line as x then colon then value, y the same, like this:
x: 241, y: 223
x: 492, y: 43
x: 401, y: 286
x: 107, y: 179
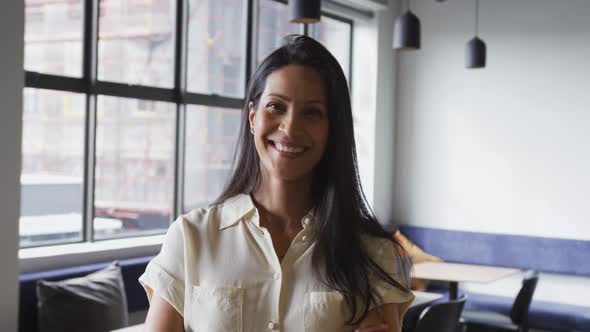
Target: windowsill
x: 68, y: 255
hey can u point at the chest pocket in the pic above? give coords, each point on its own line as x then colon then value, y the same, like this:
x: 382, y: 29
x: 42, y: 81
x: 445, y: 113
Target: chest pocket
x: 325, y: 312
x: 216, y: 309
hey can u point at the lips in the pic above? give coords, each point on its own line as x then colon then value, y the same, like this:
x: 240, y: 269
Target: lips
x: 288, y: 149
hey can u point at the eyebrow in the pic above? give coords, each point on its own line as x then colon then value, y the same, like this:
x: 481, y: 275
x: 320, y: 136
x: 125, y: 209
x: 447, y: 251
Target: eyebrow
x: 315, y: 101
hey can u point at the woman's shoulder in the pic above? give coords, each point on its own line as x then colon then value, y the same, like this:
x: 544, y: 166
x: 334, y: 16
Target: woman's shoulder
x: 197, y: 216
x: 198, y: 219
x: 199, y: 228
x: 388, y: 256
x: 216, y: 216
x: 378, y: 245
x: 190, y: 230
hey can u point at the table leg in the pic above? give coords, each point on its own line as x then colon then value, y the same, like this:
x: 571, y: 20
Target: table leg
x: 454, y: 290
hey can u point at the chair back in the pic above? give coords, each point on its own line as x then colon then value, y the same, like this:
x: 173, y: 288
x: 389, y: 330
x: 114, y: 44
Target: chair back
x: 441, y: 317
x: 520, y: 308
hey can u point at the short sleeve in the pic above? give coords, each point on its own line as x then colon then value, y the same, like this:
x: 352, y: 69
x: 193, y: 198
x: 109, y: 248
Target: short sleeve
x: 397, y: 267
x: 164, y: 274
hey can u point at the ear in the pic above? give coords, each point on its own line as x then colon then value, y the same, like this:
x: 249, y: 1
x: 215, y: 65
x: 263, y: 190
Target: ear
x: 251, y: 113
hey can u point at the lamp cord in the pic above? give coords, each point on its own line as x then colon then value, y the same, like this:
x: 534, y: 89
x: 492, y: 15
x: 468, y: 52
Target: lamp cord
x: 477, y: 18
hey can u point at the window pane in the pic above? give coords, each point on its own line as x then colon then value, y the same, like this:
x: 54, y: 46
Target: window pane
x: 136, y: 42
x: 335, y: 35
x: 52, y: 167
x: 53, y: 37
x: 273, y: 25
x: 217, y: 47
x: 211, y: 135
x: 134, y: 167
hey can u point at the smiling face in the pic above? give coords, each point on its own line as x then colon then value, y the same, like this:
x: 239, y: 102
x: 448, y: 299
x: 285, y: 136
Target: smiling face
x: 290, y: 122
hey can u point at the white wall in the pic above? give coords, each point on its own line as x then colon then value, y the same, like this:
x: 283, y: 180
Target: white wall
x: 11, y: 85
x: 505, y: 149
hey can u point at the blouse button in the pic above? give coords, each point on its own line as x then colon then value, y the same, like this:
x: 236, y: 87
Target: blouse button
x: 304, y: 237
x: 272, y: 325
x: 276, y: 276
x: 306, y: 221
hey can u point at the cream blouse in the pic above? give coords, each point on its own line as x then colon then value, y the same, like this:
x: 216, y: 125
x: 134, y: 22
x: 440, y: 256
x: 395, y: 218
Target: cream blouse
x: 219, y: 270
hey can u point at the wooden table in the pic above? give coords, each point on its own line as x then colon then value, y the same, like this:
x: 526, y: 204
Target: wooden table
x: 454, y: 273
x: 421, y: 298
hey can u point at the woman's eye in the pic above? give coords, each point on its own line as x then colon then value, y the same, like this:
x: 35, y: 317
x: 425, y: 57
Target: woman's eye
x: 314, y: 113
x: 273, y: 107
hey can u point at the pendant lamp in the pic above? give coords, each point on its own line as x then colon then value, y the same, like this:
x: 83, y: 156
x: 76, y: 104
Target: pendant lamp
x: 406, y: 32
x: 475, y: 50
x: 305, y: 11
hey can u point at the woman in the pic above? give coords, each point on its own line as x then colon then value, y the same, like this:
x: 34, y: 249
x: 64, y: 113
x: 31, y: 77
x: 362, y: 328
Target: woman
x: 290, y: 244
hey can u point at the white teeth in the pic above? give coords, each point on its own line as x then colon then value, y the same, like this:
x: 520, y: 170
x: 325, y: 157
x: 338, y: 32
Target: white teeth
x: 287, y: 149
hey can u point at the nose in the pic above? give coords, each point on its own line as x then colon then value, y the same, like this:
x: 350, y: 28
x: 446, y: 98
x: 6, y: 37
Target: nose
x: 291, y: 125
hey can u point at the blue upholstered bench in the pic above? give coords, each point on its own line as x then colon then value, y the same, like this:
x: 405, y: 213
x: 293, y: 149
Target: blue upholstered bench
x: 131, y: 268
x: 542, y: 314
x: 567, y: 257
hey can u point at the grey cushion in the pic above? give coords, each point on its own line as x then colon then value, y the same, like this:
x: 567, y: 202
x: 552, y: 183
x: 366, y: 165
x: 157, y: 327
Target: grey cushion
x: 94, y: 303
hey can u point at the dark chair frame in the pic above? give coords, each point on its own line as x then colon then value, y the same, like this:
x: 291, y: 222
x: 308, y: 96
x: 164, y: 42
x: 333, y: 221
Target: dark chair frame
x: 441, y: 317
x: 520, y: 308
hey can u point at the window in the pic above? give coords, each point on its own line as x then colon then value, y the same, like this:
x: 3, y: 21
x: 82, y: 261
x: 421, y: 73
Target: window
x: 216, y: 57
x: 52, y: 166
x: 134, y: 179
x: 211, y: 136
x: 136, y: 42
x: 336, y: 34
x: 53, y: 37
x: 128, y: 125
x: 273, y: 26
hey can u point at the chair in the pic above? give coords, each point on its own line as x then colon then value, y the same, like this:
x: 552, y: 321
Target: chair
x: 479, y: 320
x: 441, y: 317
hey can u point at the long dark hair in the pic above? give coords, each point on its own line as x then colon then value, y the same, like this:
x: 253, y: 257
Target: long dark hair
x: 340, y: 204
